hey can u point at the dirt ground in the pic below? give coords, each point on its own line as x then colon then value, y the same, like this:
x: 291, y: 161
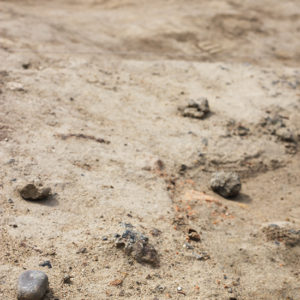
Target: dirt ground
x: 73, y: 72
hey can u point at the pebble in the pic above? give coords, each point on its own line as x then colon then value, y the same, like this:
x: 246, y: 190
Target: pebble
x: 194, y: 235
x: 201, y: 256
x: 197, y: 109
x: 46, y: 263
x: 32, y: 285
x: 188, y: 245
x: 67, y: 279
x: 226, y: 184
x: 32, y: 192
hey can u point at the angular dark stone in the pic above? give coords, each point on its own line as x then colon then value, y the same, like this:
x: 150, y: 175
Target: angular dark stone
x: 32, y: 192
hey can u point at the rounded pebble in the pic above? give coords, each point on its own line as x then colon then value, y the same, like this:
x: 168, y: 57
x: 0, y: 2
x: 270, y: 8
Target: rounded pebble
x: 32, y: 285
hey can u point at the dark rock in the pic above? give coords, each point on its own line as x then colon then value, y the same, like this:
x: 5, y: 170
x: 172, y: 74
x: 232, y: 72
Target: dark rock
x: 67, y: 279
x: 136, y: 245
x: 32, y: 285
x: 46, y: 263
x: 195, y: 109
x: 242, y: 131
x: 226, y: 184
x: 32, y: 192
x: 26, y: 66
x: 193, y: 235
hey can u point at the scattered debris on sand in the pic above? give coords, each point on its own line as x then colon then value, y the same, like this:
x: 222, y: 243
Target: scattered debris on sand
x: 282, y: 232
x: 197, y: 109
x: 136, y: 245
x: 32, y: 285
x: 201, y: 256
x: 226, y: 184
x: 33, y: 192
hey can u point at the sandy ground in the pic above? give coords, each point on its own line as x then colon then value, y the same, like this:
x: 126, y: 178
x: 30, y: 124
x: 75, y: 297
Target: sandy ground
x: 75, y: 71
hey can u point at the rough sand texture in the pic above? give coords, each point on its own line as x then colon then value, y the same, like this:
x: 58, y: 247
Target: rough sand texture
x: 89, y: 97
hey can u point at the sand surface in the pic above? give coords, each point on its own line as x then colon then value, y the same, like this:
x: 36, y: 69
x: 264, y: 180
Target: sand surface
x: 89, y: 97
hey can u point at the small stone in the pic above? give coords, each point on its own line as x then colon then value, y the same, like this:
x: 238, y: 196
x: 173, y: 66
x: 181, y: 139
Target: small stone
x: 67, y: 279
x: 26, y: 66
x: 226, y: 184
x: 32, y: 192
x: 81, y: 251
x: 188, y: 245
x: 32, y: 285
x: 193, y: 235
x: 242, y: 130
x: 46, y: 263
x: 197, y: 109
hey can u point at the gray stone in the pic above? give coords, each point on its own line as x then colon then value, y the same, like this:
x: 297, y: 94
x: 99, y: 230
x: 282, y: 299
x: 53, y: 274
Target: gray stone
x: 32, y: 192
x: 226, y: 184
x: 197, y: 109
x: 32, y: 285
